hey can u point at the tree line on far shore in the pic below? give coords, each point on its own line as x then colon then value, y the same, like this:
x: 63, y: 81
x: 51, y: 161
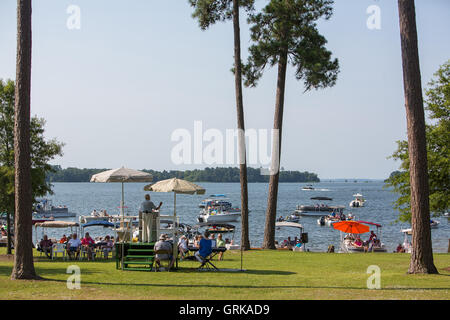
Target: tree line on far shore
x: 198, y: 175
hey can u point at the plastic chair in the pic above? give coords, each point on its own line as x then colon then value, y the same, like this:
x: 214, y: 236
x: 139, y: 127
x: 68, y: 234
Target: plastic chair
x: 169, y: 260
x: 84, y: 253
x: 59, y: 248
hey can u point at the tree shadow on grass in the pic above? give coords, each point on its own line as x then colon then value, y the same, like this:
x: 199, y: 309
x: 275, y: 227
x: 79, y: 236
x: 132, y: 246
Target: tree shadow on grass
x: 44, y: 272
x: 212, y: 286
x: 237, y: 286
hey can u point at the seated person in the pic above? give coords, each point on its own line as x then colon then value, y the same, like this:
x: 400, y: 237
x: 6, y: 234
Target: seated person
x: 94, y: 213
x: 376, y: 243
x: 400, y: 248
x: 88, y: 244
x: 64, y: 239
x: 4, y: 233
x: 373, y: 236
x: 107, y: 246
x: 298, y: 246
x: 46, y: 246
x: 183, y: 246
x: 73, y: 245
x: 290, y: 243
x: 163, y: 244
x: 358, y: 242
x: 197, y: 240
x: 205, y: 248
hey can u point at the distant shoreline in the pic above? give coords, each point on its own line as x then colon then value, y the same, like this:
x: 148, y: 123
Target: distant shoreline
x: 217, y: 175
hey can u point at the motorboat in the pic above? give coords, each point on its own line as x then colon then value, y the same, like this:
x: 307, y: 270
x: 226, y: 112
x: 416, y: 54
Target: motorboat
x: 45, y: 209
x: 308, y: 187
x: 217, y: 216
x: 322, y: 198
x: 221, y: 228
x: 329, y: 219
x: 434, y: 224
x: 292, y: 218
x: 213, y: 201
x: 218, y: 211
x: 317, y: 210
x: 358, y: 201
x: 352, y: 243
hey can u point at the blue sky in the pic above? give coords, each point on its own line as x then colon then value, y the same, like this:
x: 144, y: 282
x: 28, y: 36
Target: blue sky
x: 115, y: 90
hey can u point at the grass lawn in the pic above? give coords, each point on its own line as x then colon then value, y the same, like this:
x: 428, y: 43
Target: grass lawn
x: 269, y: 275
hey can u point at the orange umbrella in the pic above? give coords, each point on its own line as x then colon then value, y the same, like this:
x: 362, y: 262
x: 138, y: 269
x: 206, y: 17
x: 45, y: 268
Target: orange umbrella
x: 351, y: 227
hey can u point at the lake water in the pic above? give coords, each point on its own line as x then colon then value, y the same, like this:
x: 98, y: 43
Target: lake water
x: 82, y: 198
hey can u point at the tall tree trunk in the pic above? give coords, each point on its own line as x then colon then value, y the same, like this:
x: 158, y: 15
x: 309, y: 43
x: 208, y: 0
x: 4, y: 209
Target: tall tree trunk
x: 23, y: 258
x: 271, y: 213
x: 422, y: 251
x: 245, y: 240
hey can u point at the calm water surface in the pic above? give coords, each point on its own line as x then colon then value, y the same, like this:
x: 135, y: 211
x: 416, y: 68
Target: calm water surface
x: 82, y: 198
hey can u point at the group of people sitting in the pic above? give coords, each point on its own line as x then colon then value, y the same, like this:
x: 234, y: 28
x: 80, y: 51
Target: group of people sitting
x: 73, y: 246
x: 291, y: 244
x: 204, y: 243
x: 341, y: 216
x: 215, y: 243
x: 102, y: 213
x: 368, y: 245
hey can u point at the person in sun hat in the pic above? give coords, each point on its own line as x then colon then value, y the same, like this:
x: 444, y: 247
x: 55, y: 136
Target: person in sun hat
x: 165, y: 245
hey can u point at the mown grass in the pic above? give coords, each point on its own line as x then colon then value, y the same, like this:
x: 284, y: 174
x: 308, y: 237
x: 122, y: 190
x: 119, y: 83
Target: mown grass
x: 269, y: 275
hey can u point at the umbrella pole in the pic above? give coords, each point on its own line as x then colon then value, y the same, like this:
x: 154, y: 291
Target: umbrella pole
x: 123, y: 225
x: 175, y: 238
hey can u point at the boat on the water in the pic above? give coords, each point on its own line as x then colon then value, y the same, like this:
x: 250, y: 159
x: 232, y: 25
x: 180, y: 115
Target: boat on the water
x: 291, y: 218
x: 223, y: 203
x: 317, y: 210
x: 221, y: 228
x: 217, y: 216
x: 358, y: 201
x: 322, y: 198
x: 352, y: 243
x: 308, y: 187
x: 302, y: 240
x: 218, y: 210
x: 45, y: 209
x: 434, y: 224
x: 329, y: 220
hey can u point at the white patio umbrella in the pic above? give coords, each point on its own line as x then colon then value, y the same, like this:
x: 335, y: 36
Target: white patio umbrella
x: 122, y: 175
x: 175, y: 185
